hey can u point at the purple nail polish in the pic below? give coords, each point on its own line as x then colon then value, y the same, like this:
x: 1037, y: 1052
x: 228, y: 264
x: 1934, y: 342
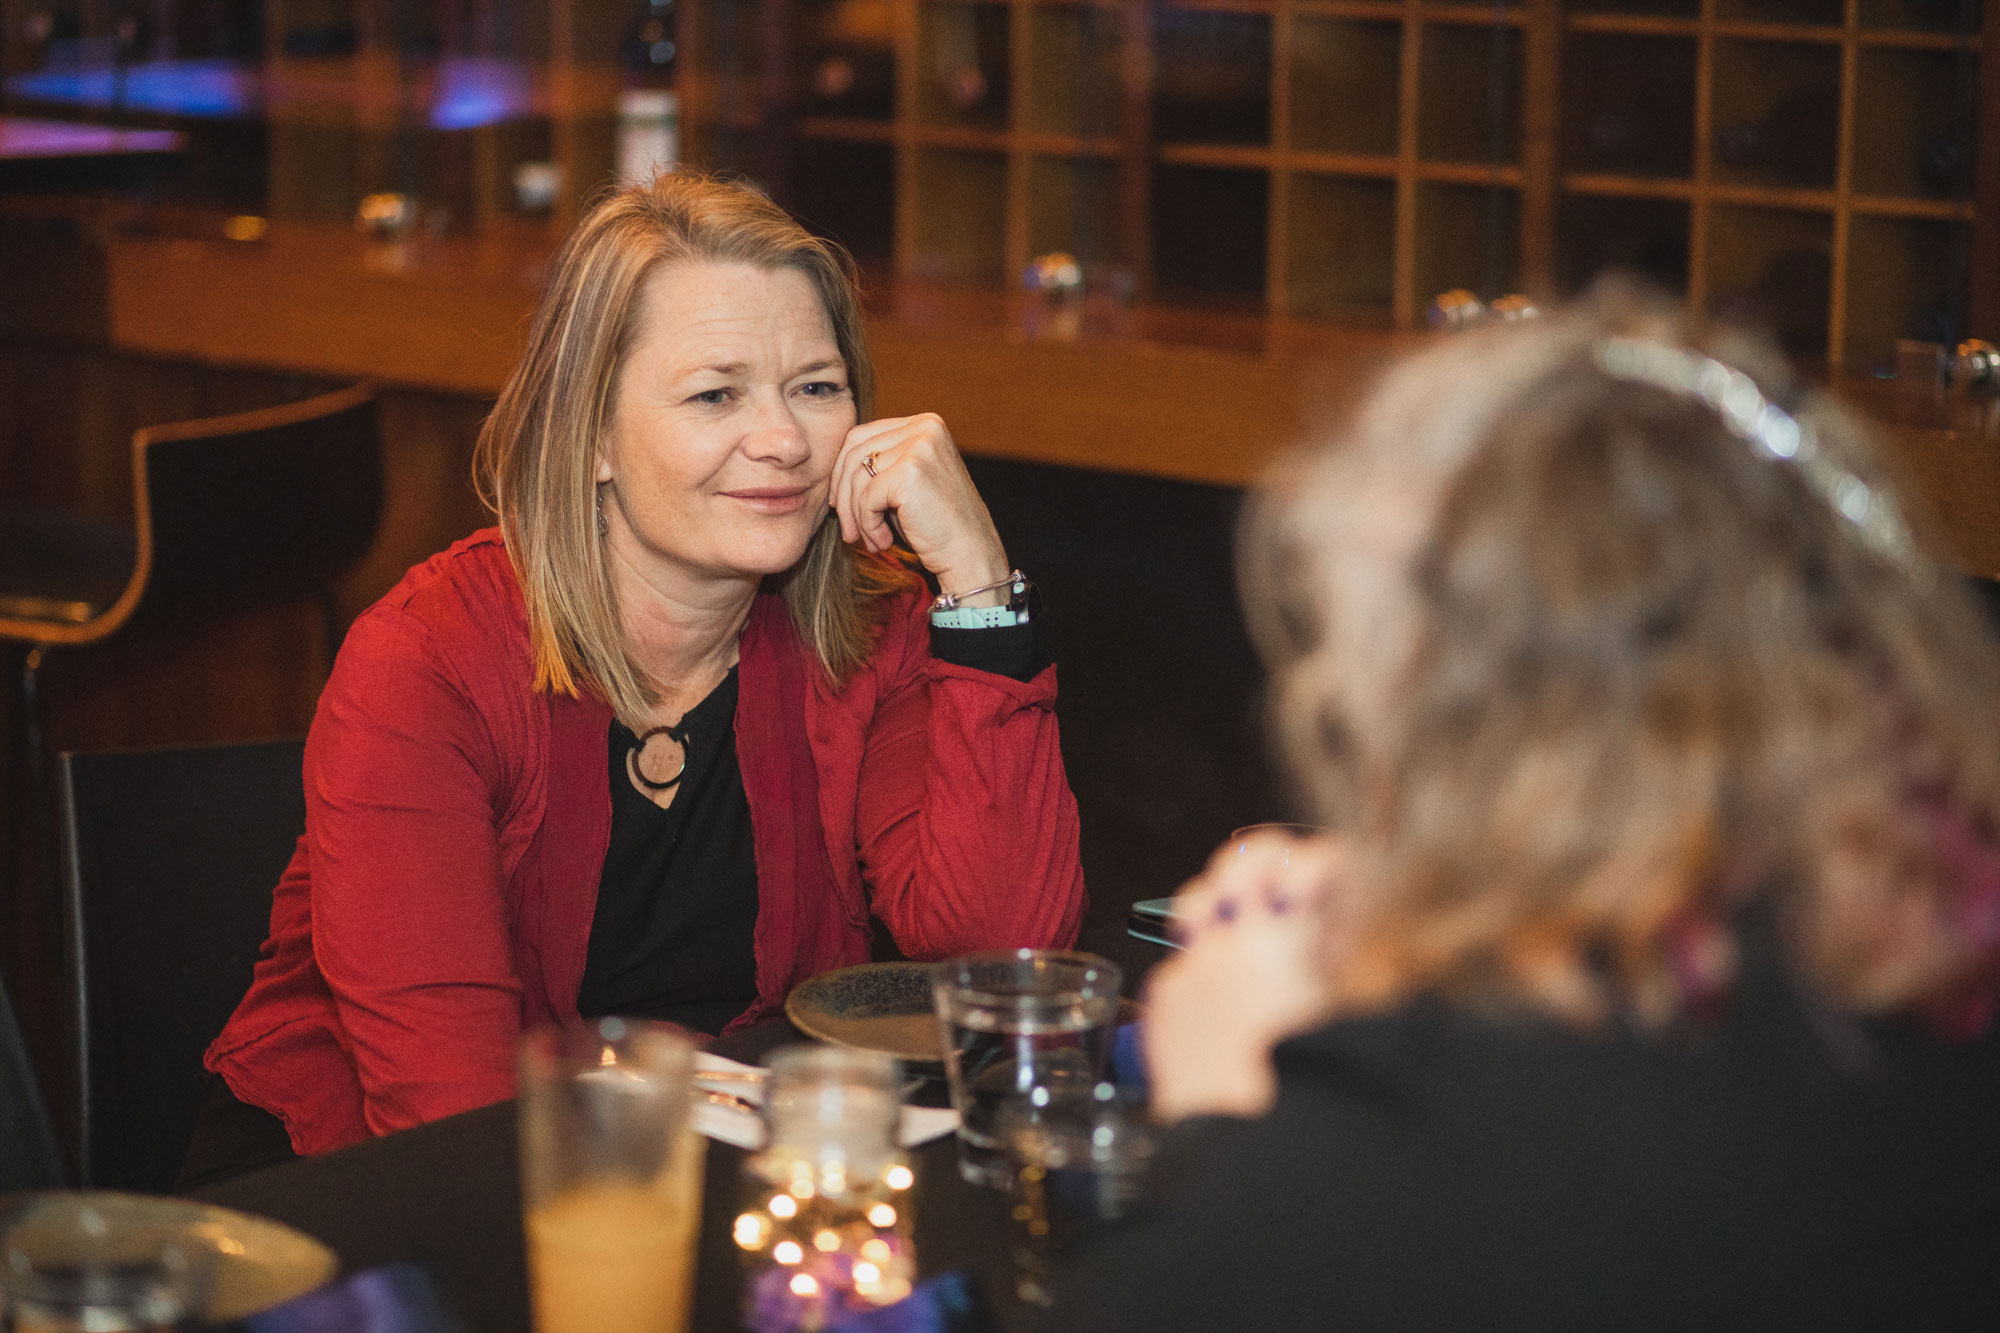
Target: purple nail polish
x: 1226, y: 910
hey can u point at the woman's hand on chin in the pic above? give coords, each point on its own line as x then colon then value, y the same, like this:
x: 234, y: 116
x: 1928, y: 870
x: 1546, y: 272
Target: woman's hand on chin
x: 1257, y: 929
x: 908, y: 468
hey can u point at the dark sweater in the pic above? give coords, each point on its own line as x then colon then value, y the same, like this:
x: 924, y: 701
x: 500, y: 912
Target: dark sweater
x: 1433, y: 1169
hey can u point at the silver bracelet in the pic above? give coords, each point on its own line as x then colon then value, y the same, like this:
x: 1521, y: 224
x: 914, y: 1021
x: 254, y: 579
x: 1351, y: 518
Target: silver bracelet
x: 1016, y: 580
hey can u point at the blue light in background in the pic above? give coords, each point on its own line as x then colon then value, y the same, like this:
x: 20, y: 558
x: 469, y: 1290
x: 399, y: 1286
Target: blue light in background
x: 201, y: 89
x: 479, y: 90
x: 466, y: 92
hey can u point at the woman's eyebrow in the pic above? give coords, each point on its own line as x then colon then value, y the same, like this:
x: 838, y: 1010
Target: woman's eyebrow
x: 829, y: 363
x: 727, y: 369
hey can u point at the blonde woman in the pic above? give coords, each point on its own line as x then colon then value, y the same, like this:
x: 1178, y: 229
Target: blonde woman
x: 661, y: 741
x: 1649, y: 979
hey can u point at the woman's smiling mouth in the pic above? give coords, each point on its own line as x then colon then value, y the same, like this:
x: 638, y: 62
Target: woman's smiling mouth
x: 772, y: 499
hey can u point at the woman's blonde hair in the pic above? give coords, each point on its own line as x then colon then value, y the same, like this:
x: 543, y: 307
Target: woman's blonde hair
x: 1585, y: 675
x: 537, y: 455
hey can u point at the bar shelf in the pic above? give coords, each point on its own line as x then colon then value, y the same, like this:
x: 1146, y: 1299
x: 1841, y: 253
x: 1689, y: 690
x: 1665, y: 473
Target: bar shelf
x: 1347, y: 159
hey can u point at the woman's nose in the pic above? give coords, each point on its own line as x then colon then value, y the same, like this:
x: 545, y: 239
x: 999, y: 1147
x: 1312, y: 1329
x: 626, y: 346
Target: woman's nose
x: 777, y: 435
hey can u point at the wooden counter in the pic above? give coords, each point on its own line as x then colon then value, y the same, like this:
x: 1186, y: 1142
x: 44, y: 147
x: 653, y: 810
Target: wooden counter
x: 1199, y: 395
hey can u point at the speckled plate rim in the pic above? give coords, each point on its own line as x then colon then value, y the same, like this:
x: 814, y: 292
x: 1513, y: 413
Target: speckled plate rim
x: 260, y: 1262
x: 810, y: 1014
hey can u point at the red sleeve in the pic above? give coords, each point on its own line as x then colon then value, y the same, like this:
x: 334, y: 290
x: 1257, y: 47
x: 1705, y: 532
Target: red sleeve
x: 967, y: 825
x: 409, y: 923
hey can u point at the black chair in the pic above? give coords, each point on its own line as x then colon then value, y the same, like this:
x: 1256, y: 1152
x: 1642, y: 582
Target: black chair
x: 170, y: 858
x: 1161, y: 694
x: 27, y: 1148
x: 230, y: 513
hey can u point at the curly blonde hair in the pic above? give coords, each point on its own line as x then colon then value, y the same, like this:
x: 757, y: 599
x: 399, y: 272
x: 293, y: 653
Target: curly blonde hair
x: 1582, y: 675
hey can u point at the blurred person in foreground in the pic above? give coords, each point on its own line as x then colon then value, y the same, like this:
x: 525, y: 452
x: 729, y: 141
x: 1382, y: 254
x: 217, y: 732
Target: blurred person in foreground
x: 1648, y: 978
x: 661, y: 741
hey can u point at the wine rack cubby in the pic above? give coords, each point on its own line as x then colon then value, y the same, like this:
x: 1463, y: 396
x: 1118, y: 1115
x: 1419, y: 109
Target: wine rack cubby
x: 1806, y: 164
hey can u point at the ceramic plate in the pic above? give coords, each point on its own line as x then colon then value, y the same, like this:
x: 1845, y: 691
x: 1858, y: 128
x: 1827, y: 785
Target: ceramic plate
x: 258, y: 1263
x: 874, y: 1007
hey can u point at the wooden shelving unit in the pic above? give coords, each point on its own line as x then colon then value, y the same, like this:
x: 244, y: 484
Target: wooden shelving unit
x: 1807, y: 163
x: 1828, y: 167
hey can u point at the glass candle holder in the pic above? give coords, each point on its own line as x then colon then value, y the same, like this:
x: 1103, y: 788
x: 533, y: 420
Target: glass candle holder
x: 825, y: 1220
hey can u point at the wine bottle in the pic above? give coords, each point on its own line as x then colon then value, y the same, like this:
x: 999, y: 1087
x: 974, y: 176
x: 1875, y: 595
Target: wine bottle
x: 648, y: 111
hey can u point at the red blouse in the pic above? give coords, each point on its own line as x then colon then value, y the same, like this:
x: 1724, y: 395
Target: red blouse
x: 457, y: 820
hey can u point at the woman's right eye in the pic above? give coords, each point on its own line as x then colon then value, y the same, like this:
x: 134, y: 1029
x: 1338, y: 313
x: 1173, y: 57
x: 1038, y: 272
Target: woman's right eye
x: 711, y: 397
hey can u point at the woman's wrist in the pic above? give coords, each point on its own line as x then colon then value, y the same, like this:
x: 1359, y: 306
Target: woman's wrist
x: 987, y: 569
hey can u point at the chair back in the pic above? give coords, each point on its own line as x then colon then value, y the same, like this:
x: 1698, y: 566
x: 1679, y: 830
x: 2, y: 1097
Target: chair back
x: 1160, y: 703
x: 171, y: 856
x: 259, y: 506
x: 27, y: 1148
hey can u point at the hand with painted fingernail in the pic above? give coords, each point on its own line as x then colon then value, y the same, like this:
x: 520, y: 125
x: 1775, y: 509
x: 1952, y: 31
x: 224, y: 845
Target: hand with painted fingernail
x: 1259, y: 927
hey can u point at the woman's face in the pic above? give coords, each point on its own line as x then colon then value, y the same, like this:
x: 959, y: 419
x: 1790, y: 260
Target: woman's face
x: 728, y: 414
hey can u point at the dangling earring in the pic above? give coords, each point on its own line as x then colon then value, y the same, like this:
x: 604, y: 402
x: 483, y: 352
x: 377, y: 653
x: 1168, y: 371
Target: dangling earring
x: 603, y: 524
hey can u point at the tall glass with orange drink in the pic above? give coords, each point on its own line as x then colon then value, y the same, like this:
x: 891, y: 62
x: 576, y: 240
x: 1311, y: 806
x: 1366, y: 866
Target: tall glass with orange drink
x: 610, y: 1177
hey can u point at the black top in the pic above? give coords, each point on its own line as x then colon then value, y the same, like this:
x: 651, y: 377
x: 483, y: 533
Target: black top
x: 673, y: 933
x: 677, y: 902
x: 1431, y: 1168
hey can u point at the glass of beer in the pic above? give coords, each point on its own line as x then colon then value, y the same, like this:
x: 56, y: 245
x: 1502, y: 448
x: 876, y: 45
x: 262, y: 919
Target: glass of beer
x: 611, y: 1172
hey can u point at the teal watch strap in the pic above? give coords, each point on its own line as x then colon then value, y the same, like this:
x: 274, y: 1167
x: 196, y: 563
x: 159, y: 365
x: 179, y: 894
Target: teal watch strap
x: 980, y: 617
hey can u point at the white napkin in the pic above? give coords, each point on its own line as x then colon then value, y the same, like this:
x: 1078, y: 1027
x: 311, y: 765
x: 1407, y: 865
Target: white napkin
x: 731, y: 1124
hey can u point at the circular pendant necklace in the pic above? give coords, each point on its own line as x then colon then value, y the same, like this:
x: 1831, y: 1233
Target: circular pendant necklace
x: 679, y: 734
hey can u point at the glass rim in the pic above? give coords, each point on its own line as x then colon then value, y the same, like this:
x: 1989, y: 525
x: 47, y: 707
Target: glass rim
x: 1289, y: 827
x: 945, y: 981
x: 552, y: 1050
x: 809, y: 1058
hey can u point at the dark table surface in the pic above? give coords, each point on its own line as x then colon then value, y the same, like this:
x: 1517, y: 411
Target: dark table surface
x: 447, y: 1195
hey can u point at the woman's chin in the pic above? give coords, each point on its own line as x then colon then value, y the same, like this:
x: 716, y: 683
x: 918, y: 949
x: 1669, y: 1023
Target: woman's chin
x: 772, y: 561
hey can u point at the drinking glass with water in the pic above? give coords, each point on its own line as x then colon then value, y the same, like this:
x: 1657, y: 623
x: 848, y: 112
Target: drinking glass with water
x: 1013, y: 1022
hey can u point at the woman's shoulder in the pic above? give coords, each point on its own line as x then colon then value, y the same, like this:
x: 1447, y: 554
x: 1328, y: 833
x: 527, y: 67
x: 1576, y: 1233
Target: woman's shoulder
x: 459, y: 612
x: 466, y: 592
x: 473, y: 569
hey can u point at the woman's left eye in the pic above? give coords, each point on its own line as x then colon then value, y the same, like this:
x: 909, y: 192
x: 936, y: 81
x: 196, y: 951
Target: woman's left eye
x: 823, y: 389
